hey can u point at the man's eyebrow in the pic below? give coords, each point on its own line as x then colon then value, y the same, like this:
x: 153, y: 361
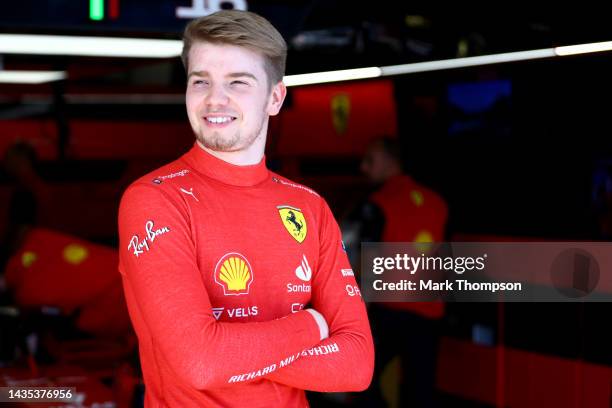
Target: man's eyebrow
x: 197, y: 73
x: 242, y: 74
x: 232, y: 75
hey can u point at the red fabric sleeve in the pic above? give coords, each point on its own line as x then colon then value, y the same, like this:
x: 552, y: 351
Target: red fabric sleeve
x: 344, y: 361
x: 170, y: 297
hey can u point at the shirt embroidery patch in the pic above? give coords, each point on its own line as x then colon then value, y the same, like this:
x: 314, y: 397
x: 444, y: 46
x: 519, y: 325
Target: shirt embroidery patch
x: 139, y: 246
x: 294, y: 222
x: 234, y: 274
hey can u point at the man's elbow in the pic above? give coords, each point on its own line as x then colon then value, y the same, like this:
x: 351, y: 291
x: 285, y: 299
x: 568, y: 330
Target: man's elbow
x: 362, y: 378
x: 362, y: 370
x: 203, y: 383
x: 196, y: 376
x: 366, y: 367
x: 192, y: 379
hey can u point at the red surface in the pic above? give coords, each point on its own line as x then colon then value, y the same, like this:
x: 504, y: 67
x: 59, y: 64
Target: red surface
x: 70, y: 273
x: 90, y: 139
x: 203, y: 209
x: 128, y: 140
x: 42, y: 135
x: 531, y: 380
x: 307, y: 125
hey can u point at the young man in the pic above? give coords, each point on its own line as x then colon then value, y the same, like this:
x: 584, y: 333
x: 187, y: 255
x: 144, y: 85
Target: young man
x: 219, y: 256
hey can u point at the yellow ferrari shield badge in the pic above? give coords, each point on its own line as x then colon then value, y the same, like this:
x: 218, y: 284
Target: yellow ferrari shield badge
x: 294, y: 222
x: 341, y: 109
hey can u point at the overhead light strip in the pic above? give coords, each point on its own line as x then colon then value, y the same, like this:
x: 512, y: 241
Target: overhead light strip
x: 332, y: 76
x: 89, y: 46
x: 31, y: 77
x: 467, y: 62
x: 429, y: 66
x: 583, y: 48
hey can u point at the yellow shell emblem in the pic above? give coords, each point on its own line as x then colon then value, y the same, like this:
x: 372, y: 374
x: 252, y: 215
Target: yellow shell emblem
x: 28, y: 258
x: 417, y: 197
x: 294, y: 222
x: 423, y: 241
x: 75, y: 254
x: 234, y: 273
x: 341, y: 109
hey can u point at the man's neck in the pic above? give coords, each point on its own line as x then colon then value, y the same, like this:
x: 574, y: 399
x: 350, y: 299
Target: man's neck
x: 393, y: 172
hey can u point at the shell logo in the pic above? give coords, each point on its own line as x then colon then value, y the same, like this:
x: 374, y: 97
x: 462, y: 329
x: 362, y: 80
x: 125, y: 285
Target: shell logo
x: 423, y: 241
x: 75, y: 254
x: 417, y: 197
x: 28, y: 258
x: 234, y: 273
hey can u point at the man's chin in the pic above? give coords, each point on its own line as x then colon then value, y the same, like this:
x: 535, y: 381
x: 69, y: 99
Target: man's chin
x: 217, y: 145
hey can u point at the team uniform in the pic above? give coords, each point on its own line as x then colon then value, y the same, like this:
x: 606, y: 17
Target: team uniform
x: 218, y: 262
x: 411, y: 212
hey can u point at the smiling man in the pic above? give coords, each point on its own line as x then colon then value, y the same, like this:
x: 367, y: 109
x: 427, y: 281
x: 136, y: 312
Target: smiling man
x: 235, y: 277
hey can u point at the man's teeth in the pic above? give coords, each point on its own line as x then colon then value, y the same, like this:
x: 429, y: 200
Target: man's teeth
x: 222, y: 119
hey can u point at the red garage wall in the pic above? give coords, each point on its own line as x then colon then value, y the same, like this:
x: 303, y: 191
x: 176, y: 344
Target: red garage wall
x: 336, y: 119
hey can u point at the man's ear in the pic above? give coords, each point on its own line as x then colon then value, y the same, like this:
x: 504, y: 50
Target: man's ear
x: 277, y: 96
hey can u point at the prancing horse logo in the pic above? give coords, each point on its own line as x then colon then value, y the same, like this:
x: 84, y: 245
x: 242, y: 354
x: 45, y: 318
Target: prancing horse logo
x: 294, y: 222
x: 291, y: 218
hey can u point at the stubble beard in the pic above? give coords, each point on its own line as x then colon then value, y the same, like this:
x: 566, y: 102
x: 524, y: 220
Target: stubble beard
x: 230, y: 142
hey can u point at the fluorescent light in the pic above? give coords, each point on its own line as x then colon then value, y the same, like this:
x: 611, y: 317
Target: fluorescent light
x: 372, y: 72
x: 583, y: 48
x: 131, y: 98
x: 89, y: 46
x: 466, y: 62
x: 332, y: 76
x: 31, y: 77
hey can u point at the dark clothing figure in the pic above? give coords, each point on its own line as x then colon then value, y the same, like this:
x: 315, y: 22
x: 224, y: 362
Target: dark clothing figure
x: 404, y: 211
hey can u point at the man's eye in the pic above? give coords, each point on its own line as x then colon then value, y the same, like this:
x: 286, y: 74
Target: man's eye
x: 238, y: 83
x: 199, y: 82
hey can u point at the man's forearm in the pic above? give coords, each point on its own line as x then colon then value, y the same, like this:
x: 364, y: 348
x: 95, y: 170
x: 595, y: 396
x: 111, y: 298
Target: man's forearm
x: 341, y: 363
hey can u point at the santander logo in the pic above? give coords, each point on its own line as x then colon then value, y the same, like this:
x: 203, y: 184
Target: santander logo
x: 304, y: 272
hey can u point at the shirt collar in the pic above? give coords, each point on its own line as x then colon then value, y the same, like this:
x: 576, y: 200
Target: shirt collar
x: 225, y: 172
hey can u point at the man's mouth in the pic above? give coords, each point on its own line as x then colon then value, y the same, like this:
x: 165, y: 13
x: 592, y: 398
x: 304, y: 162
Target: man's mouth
x: 219, y: 120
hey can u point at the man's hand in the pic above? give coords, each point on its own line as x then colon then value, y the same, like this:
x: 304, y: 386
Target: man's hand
x: 323, y: 327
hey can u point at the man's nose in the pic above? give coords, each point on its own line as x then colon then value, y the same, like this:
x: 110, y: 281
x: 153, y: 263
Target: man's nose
x: 216, y: 96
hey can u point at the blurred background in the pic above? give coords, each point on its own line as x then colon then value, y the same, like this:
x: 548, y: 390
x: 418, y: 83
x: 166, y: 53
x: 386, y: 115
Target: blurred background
x: 512, y: 151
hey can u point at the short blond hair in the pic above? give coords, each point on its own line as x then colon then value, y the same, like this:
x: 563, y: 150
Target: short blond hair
x: 242, y: 29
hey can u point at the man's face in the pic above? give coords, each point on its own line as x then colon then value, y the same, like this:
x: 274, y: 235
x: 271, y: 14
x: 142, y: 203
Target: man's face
x: 228, y: 96
x: 375, y: 164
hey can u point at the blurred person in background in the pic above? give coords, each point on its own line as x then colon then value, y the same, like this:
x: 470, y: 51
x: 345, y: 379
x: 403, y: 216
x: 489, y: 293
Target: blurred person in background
x: 401, y: 210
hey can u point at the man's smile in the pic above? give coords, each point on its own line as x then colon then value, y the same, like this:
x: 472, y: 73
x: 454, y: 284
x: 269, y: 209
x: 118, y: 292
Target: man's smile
x: 217, y: 121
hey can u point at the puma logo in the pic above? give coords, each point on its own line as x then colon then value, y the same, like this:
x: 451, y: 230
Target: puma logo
x: 190, y: 192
